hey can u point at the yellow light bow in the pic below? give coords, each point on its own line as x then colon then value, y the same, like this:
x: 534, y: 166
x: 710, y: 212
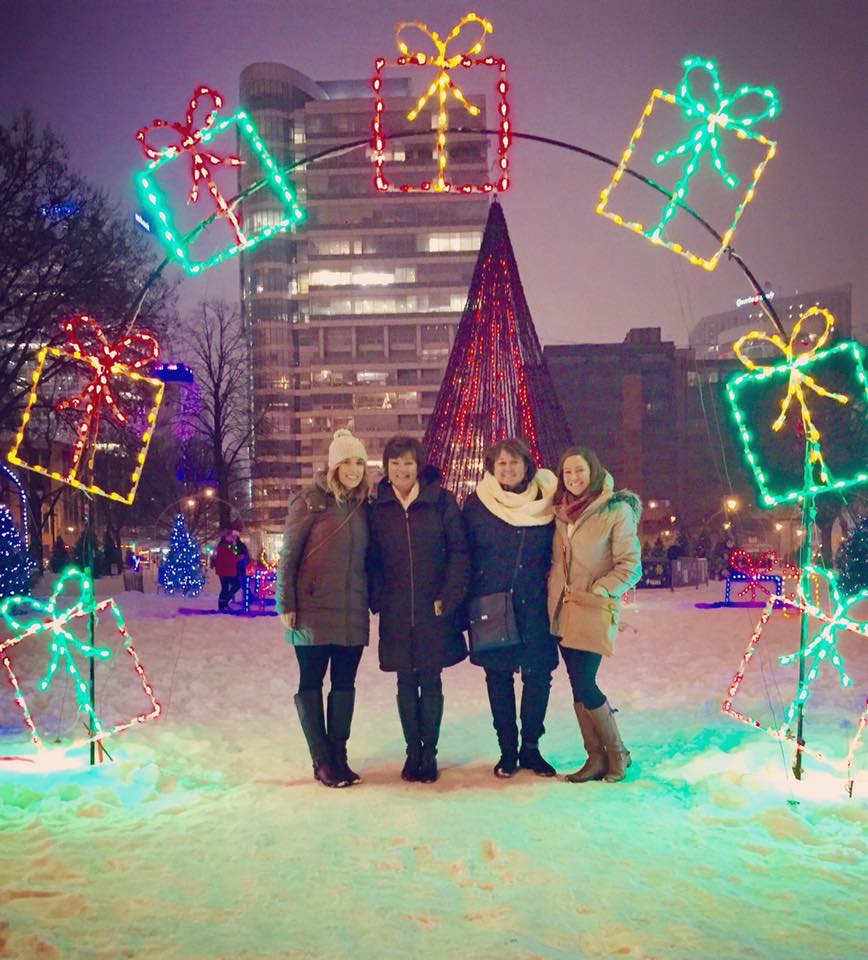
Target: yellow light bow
x: 443, y: 84
x: 799, y: 380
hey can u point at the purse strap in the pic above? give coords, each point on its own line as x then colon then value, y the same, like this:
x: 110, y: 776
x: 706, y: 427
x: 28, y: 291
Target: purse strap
x: 517, y: 560
x: 333, y: 534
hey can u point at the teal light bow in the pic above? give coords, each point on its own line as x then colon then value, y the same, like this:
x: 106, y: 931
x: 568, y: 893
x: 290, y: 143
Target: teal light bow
x: 63, y: 643
x: 824, y: 645
x: 704, y: 136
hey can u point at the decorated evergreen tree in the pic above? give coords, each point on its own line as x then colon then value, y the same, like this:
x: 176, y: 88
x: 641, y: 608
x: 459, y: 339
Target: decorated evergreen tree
x: 182, y: 571
x: 496, y: 383
x: 15, y: 565
x: 852, y: 560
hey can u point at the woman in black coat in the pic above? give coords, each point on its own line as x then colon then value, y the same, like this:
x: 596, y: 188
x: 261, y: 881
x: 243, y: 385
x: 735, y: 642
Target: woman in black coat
x: 509, y: 521
x: 418, y: 573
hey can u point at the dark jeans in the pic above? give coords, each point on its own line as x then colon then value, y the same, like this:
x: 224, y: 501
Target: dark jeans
x: 314, y: 661
x: 414, y: 681
x: 228, y: 588
x: 536, y: 685
x: 582, y: 666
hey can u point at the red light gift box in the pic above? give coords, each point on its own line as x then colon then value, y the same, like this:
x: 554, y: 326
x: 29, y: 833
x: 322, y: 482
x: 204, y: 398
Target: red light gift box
x: 451, y: 66
x: 91, y: 411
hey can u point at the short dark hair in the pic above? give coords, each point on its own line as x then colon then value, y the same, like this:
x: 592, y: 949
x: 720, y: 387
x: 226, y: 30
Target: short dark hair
x: 516, y: 448
x: 398, y: 445
x: 598, y: 471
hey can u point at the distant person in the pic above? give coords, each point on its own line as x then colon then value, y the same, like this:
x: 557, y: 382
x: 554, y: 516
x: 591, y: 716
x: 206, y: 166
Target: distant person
x: 321, y: 594
x: 510, y: 525
x: 596, y: 559
x: 419, y: 571
x: 227, y: 561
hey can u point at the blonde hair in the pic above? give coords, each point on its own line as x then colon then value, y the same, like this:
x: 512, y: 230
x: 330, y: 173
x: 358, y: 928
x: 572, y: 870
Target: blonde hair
x: 340, y: 492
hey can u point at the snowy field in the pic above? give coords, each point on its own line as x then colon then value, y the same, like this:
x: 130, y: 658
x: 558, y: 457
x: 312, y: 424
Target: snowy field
x: 206, y: 837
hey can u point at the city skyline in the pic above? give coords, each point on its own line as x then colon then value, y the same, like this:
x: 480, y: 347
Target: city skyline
x: 583, y: 75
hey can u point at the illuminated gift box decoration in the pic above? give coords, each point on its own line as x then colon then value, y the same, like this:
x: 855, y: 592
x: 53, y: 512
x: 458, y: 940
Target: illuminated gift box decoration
x: 752, y: 573
x: 821, y: 649
x: 197, y: 141
x: 89, y: 423
x: 63, y: 621
x: 444, y: 86
x: 822, y: 395
x: 714, y: 119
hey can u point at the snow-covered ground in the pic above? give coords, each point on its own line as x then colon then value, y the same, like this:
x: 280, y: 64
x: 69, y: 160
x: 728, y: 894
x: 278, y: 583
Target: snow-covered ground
x: 207, y: 838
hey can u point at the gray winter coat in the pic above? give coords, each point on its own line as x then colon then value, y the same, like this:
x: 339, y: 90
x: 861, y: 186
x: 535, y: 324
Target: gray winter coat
x: 322, y: 569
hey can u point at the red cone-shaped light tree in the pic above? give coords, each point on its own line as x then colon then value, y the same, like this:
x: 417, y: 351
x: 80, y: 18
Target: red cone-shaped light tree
x: 496, y: 383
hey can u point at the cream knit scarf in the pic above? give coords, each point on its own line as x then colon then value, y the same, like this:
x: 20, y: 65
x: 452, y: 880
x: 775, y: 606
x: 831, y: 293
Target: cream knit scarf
x: 530, y: 508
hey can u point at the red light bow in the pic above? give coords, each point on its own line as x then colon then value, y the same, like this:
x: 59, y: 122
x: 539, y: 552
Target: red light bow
x: 202, y: 159
x: 102, y: 357
x: 741, y: 561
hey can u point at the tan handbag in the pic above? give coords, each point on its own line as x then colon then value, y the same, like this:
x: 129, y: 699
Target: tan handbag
x: 588, y: 621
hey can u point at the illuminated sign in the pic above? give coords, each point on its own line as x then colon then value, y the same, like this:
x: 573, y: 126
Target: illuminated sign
x: 746, y: 301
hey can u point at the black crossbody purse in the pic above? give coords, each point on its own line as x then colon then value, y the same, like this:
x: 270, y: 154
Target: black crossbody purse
x: 492, y: 617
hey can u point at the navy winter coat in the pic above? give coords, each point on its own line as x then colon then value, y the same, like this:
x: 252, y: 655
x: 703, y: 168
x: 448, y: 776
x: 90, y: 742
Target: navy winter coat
x: 418, y: 556
x: 494, y: 547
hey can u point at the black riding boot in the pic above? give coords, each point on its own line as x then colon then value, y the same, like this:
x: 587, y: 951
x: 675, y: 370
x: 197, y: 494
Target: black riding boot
x: 430, y: 718
x: 340, y: 718
x: 408, y: 711
x: 310, y: 713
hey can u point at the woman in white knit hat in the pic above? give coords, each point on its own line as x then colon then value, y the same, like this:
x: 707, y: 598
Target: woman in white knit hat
x: 322, y: 599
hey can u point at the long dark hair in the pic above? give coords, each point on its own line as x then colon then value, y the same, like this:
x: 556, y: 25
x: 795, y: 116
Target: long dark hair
x: 598, y: 471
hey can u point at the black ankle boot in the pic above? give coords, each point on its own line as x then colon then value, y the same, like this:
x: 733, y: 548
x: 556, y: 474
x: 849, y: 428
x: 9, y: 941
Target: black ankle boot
x: 507, y: 765
x: 529, y: 758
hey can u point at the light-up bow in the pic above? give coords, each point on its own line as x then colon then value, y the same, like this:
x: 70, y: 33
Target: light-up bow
x: 704, y: 136
x: 798, y: 380
x: 824, y: 645
x: 202, y: 159
x: 86, y: 341
x: 443, y: 84
x: 63, y: 643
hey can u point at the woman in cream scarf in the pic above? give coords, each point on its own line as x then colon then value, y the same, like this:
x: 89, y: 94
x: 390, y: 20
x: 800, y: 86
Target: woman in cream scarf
x: 510, y: 526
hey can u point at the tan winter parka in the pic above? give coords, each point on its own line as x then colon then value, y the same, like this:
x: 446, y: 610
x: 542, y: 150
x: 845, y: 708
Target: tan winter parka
x: 602, y: 552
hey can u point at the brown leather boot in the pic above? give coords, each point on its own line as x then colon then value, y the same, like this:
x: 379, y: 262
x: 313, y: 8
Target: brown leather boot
x: 596, y: 766
x: 617, y: 755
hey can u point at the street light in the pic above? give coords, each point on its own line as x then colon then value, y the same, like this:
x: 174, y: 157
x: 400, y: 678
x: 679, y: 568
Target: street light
x: 727, y: 525
x: 731, y: 503
x: 191, y: 502
x: 209, y: 491
x: 652, y: 504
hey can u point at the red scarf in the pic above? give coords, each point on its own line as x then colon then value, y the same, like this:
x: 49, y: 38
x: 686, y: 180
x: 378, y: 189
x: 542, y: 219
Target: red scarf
x: 570, y: 507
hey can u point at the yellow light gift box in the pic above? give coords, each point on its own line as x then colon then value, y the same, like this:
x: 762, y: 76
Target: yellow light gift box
x: 91, y: 411
x: 450, y: 57
x: 714, y: 129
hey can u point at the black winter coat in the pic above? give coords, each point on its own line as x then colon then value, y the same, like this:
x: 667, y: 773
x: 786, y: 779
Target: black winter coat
x: 415, y: 557
x: 494, y: 547
x: 322, y: 574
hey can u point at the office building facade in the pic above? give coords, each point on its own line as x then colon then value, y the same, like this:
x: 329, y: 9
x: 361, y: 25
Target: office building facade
x: 349, y: 319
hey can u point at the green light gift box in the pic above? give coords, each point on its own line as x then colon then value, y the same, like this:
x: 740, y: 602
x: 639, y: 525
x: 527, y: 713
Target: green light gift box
x: 777, y: 458
x: 182, y: 247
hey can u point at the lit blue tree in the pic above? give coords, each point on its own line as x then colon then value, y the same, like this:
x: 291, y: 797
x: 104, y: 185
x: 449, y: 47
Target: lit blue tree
x: 15, y: 565
x: 182, y: 571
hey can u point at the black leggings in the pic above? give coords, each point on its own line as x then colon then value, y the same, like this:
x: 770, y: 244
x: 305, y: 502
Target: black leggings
x: 412, y: 681
x: 582, y: 666
x: 314, y: 661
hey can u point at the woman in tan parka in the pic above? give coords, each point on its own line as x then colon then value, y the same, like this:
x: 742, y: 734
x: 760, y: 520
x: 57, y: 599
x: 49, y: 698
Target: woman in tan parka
x: 596, y: 550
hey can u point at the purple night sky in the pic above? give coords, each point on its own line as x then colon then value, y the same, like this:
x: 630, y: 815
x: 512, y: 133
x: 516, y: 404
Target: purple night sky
x: 579, y: 71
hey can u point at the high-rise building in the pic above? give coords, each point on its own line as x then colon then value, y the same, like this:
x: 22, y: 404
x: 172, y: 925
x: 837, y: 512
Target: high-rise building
x: 350, y: 319
x: 712, y: 338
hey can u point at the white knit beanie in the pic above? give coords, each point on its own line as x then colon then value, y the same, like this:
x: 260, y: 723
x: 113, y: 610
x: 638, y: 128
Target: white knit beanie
x: 345, y: 447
